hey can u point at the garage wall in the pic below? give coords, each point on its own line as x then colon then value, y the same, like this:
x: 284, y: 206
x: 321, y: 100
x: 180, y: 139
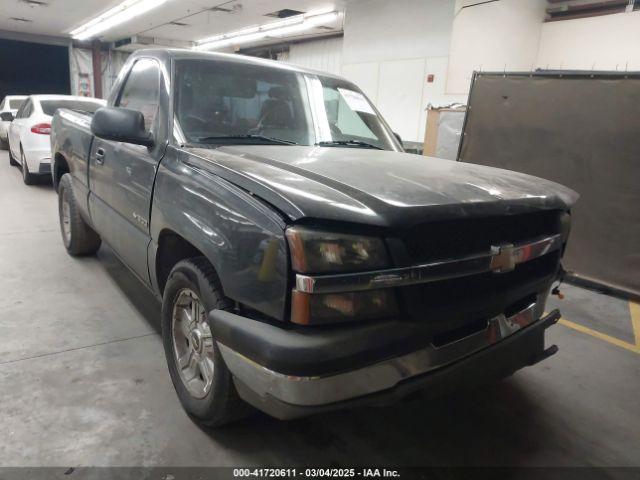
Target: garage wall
x: 600, y: 43
x: 324, y: 55
x: 81, y: 62
x: 112, y: 63
x: 493, y: 36
x: 390, y: 48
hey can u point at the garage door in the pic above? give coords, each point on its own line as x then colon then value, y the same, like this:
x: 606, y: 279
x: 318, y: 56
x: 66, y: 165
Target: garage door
x: 32, y: 68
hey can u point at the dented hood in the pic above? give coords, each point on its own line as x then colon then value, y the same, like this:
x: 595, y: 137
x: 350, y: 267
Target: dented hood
x: 377, y: 187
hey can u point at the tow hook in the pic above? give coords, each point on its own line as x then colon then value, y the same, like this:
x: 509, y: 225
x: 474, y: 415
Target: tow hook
x: 556, y: 290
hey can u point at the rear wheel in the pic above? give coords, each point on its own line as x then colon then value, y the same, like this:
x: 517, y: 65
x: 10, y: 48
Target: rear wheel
x: 78, y: 237
x: 27, y: 177
x: 200, y: 377
x: 12, y: 160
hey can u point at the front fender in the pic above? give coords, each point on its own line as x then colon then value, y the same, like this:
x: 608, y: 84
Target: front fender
x: 240, y: 235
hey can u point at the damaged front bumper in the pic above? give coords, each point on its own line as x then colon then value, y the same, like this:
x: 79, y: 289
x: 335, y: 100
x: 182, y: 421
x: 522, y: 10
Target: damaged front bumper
x: 291, y: 373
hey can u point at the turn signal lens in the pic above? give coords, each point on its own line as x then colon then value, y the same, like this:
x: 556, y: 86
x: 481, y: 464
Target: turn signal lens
x: 308, y: 309
x: 42, y: 129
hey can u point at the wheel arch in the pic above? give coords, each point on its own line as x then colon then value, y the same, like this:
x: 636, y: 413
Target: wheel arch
x: 172, y: 248
x: 60, y: 167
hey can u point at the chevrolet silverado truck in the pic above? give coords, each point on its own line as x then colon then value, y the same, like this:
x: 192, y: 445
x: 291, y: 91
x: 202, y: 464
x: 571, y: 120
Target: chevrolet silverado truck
x: 304, y: 262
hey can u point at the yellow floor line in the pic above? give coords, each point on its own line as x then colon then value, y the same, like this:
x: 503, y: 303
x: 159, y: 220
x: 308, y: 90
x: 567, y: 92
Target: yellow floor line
x: 601, y: 336
x: 634, y: 310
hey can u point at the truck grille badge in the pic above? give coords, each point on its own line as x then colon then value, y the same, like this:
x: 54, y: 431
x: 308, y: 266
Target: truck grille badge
x: 504, y: 259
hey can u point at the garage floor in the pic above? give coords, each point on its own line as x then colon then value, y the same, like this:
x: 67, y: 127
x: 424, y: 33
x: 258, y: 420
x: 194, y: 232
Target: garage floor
x: 83, y: 380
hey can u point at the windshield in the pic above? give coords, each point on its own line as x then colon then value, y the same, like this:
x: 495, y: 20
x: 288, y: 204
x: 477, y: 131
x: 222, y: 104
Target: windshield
x: 49, y: 107
x: 230, y: 103
x: 16, y: 104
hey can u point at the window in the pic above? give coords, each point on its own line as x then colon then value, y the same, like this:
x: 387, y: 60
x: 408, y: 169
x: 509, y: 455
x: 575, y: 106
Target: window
x: 225, y: 99
x: 232, y: 102
x: 348, y: 119
x: 141, y: 91
x: 49, y: 107
x: 25, y: 110
x: 15, y: 104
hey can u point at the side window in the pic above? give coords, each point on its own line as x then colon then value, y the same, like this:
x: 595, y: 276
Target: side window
x: 343, y: 119
x: 141, y: 91
x: 25, y: 110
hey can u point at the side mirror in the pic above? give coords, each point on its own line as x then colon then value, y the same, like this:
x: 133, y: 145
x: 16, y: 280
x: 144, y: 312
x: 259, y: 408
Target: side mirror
x: 6, y: 117
x: 121, y: 125
x: 398, y: 137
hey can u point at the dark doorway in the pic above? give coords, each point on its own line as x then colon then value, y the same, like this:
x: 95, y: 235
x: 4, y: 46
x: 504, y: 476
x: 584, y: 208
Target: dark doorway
x: 33, y: 68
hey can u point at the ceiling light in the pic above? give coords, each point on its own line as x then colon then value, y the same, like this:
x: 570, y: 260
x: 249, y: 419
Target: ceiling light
x: 282, y: 28
x: 119, y: 14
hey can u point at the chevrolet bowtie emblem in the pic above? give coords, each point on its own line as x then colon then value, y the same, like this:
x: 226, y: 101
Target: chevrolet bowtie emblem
x: 504, y: 259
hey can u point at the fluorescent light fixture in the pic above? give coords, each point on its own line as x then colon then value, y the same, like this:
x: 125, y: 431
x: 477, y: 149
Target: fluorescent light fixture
x: 281, y: 28
x: 119, y: 14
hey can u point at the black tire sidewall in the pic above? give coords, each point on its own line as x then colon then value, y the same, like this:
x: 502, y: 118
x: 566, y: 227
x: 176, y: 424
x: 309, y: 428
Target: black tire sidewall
x: 27, y: 177
x: 187, y: 275
x: 83, y: 239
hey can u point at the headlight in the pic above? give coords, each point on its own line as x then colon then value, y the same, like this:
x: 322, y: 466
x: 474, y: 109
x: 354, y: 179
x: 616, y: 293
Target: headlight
x: 314, y: 251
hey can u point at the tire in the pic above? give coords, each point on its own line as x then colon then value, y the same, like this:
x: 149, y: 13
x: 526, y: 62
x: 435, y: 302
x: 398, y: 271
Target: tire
x: 77, y: 236
x: 12, y: 160
x: 27, y: 177
x: 210, y: 396
x: 4, y: 144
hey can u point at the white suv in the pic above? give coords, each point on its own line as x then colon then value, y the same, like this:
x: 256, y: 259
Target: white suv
x: 8, y: 109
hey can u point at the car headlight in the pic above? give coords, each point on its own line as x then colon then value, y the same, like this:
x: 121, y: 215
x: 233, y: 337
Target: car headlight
x: 317, y: 252
x: 314, y: 251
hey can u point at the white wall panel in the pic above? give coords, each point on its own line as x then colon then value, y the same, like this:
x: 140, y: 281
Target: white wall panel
x: 399, y: 93
x: 324, y: 55
x: 389, y: 47
x: 365, y: 75
x: 601, y: 43
x: 495, y: 36
x: 434, y: 93
x: 378, y: 30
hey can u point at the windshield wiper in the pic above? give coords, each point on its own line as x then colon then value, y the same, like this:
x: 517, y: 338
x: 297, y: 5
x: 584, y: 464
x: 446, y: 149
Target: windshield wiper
x: 277, y: 141
x: 347, y: 143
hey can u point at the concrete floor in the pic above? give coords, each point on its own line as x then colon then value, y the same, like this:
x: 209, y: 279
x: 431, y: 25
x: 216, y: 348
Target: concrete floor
x: 84, y: 382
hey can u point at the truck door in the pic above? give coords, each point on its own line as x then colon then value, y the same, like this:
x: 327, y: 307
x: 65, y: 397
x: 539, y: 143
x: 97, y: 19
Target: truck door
x: 122, y: 175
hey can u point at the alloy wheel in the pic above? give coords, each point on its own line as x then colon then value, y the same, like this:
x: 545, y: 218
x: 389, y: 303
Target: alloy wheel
x: 193, y: 344
x: 25, y: 169
x: 65, y: 222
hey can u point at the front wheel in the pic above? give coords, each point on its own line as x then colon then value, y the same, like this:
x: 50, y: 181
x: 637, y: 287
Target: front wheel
x: 200, y: 377
x: 78, y: 237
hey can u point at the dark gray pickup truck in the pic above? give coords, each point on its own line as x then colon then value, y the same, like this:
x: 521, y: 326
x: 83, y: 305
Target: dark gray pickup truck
x: 304, y: 262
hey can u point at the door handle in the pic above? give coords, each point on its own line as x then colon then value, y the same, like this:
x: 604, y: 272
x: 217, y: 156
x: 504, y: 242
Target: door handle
x: 100, y: 153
